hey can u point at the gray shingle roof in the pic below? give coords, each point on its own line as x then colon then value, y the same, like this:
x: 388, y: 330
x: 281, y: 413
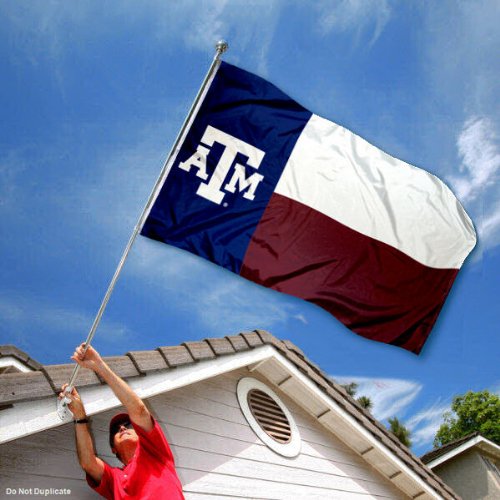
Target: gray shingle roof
x: 15, y: 352
x: 17, y: 387
x: 438, y: 452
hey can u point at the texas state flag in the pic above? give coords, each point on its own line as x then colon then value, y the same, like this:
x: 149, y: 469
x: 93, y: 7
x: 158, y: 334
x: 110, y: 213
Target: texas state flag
x: 299, y: 204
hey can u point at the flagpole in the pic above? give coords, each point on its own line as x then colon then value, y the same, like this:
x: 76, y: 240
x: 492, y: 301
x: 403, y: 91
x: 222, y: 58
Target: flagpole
x: 220, y: 48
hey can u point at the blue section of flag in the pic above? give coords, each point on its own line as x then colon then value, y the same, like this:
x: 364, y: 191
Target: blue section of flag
x: 249, y: 109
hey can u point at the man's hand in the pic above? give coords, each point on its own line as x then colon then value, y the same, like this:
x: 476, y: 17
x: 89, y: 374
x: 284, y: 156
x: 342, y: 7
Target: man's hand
x: 91, y: 359
x: 76, y: 405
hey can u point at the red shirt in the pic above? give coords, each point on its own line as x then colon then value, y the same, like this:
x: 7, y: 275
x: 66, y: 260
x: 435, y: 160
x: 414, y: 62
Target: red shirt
x: 149, y: 475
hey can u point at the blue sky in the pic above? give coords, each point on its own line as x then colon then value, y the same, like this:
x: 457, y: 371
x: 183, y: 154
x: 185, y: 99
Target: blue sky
x: 92, y: 96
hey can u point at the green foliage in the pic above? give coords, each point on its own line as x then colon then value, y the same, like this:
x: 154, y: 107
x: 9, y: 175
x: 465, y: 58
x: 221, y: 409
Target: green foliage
x: 400, y: 431
x: 351, y: 388
x: 365, y: 402
x: 471, y: 412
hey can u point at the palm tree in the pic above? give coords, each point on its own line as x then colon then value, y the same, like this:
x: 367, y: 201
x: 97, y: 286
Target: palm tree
x: 351, y: 388
x: 365, y: 402
x: 400, y: 431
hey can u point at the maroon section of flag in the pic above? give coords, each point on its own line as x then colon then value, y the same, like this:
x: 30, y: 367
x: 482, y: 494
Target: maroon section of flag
x: 373, y: 288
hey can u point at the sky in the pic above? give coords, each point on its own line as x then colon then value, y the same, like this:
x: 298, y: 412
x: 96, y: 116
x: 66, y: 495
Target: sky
x: 92, y: 97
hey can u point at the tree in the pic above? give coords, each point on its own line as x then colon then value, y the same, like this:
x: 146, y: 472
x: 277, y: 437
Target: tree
x: 400, y: 431
x: 351, y: 388
x: 365, y: 402
x: 472, y: 412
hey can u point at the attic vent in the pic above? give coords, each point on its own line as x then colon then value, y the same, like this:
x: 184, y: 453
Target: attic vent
x: 268, y: 417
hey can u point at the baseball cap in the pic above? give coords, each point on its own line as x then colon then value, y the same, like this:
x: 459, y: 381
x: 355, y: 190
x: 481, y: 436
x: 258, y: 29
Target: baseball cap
x: 114, y: 425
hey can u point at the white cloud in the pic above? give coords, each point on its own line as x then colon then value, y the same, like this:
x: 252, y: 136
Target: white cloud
x: 163, y: 265
x: 460, y: 54
x: 489, y: 227
x: 480, y: 155
x: 248, y: 26
x: 51, y: 29
x: 426, y: 422
x: 392, y: 397
x: 477, y: 183
x: 123, y: 180
x: 356, y: 16
x: 301, y: 318
x: 208, y: 26
x: 459, y: 60
x: 236, y: 305
x: 389, y: 396
x: 24, y: 315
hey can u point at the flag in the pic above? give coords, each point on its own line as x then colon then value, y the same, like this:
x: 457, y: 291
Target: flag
x: 294, y: 202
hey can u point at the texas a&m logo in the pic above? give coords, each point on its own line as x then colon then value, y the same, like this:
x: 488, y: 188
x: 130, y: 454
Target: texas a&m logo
x: 212, y: 189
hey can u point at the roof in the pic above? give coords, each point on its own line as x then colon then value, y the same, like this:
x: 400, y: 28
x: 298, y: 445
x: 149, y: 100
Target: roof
x: 446, y: 452
x: 11, y: 351
x: 17, y: 388
x: 437, y: 452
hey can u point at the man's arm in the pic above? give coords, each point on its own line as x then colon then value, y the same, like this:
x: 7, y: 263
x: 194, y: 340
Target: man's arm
x: 89, y: 462
x: 137, y: 410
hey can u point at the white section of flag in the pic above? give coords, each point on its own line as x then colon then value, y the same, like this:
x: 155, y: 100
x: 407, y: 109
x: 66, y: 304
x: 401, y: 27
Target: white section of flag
x: 351, y: 181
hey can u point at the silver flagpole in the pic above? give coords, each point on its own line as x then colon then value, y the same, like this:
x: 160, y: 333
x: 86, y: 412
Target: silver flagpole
x: 220, y: 47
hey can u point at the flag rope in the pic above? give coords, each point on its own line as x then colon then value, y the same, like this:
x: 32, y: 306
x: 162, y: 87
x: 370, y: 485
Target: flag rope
x: 220, y: 47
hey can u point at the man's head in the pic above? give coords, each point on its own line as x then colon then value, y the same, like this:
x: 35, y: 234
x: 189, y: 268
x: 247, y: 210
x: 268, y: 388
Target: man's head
x: 122, y: 437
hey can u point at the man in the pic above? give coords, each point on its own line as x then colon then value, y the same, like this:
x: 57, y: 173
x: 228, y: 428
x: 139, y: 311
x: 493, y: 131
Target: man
x: 135, y: 438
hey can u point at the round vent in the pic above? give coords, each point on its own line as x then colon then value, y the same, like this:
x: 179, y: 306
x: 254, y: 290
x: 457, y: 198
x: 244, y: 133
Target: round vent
x: 268, y: 417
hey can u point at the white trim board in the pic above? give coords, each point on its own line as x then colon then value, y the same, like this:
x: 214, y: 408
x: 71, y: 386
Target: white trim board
x: 12, y: 361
